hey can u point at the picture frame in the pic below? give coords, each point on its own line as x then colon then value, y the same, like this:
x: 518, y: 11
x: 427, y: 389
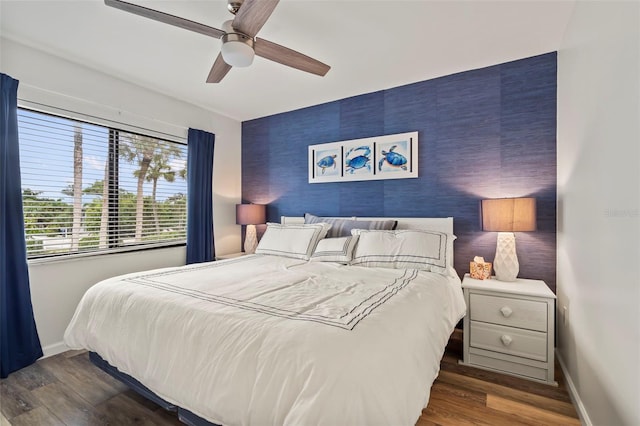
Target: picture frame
x: 375, y: 158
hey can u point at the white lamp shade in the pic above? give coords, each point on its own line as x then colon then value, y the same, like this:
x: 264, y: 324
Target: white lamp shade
x: 251, y: 214
x: 509, y: 214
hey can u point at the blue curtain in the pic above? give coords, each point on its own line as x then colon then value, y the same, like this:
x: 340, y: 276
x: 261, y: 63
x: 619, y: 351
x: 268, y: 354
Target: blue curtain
x: 200, y: 246
x: 19, y: 341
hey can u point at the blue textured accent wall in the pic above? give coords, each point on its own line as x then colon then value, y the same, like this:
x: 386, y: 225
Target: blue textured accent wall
x: 486, y: 133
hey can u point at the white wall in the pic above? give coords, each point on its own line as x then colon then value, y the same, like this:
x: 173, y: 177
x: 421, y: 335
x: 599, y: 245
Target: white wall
x: 57, y: 286
x: 598, y: 202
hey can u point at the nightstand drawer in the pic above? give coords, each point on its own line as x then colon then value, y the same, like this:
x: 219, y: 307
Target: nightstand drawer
x: 508, y: 311
x: 508, y: 340
x: 508, y: 366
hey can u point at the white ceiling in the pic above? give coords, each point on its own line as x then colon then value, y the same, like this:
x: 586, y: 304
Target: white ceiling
x: 370, y: 45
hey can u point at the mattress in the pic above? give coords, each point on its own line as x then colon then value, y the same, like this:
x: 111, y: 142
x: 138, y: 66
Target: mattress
x: 272, y: 340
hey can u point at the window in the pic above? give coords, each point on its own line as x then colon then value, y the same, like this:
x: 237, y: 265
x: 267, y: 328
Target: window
x: 90, y: 188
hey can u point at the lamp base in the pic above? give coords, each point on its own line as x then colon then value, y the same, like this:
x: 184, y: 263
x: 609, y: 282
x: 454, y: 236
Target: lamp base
x: 506, y: 263
x: 250, y: 240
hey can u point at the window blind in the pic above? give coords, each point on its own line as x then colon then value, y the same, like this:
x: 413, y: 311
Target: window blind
x: 91, y: 188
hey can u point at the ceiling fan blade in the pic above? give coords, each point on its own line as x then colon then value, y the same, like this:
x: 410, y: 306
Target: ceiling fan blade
x: 219, y: 69
x: 252, y: 15
x: 291, y: 58
x: 165, y: 18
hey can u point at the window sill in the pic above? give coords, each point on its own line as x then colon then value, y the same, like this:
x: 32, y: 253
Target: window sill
x: 115, y: 251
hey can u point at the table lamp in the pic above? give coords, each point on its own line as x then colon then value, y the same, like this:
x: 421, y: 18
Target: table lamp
x: 251, y: 215
x: 506, y: 216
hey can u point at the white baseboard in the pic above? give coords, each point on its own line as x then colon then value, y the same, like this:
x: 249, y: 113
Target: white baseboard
x: 573, y: 393
x: 54, y: 349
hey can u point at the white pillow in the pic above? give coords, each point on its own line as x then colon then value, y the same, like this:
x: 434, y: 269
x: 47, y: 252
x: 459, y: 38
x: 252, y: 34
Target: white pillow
x: 297, y: 241
x: 335, y: 249
x: 404, y: 249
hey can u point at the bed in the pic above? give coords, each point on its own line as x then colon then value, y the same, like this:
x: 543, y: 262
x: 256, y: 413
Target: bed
x: 270, y: 339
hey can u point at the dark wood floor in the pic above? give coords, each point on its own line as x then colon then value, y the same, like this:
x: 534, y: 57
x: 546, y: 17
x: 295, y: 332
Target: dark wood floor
x: 464, y: 395
x: 67, y: 389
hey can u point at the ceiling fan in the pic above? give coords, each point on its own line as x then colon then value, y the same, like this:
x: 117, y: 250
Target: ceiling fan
x: 239, y: 41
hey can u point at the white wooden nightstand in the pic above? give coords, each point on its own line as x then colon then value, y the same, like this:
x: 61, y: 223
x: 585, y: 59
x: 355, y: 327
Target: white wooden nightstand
x: 230, y: 255
x: 509, y: 327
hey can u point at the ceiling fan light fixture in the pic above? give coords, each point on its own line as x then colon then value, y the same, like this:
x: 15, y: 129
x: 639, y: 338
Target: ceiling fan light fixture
x: 238, y: 35
x: 237, y: 49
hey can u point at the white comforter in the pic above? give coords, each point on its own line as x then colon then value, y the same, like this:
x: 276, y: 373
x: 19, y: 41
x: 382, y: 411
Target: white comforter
x: 268, y: 340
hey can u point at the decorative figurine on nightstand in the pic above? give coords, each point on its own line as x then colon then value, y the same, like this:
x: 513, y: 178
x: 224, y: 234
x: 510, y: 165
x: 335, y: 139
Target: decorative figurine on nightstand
x: 479, y: 269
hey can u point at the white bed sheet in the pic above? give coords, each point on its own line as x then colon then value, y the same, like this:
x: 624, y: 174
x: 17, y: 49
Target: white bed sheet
x: 269, y: 340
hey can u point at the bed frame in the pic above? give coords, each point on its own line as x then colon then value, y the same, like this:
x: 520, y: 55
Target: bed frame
x: 185, y: 416
x: 191, y: 419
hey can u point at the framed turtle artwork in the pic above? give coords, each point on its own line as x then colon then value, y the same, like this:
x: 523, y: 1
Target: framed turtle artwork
x: 380, y: 157
x: 326, y: 163
x: 394, y: 157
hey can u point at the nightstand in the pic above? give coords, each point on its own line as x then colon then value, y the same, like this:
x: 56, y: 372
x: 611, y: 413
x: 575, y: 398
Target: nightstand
x: 230, y: 255
x: 509, y: 327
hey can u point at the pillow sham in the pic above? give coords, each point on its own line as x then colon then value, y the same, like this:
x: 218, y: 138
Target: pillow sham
x: 296, y: 241
x: 404, y: 249
x: 335, y: 249
x: 342, y: 227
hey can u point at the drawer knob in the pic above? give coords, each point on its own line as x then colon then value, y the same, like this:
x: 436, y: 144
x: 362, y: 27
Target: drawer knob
x: 506, y: 311
x: 506, y: 339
